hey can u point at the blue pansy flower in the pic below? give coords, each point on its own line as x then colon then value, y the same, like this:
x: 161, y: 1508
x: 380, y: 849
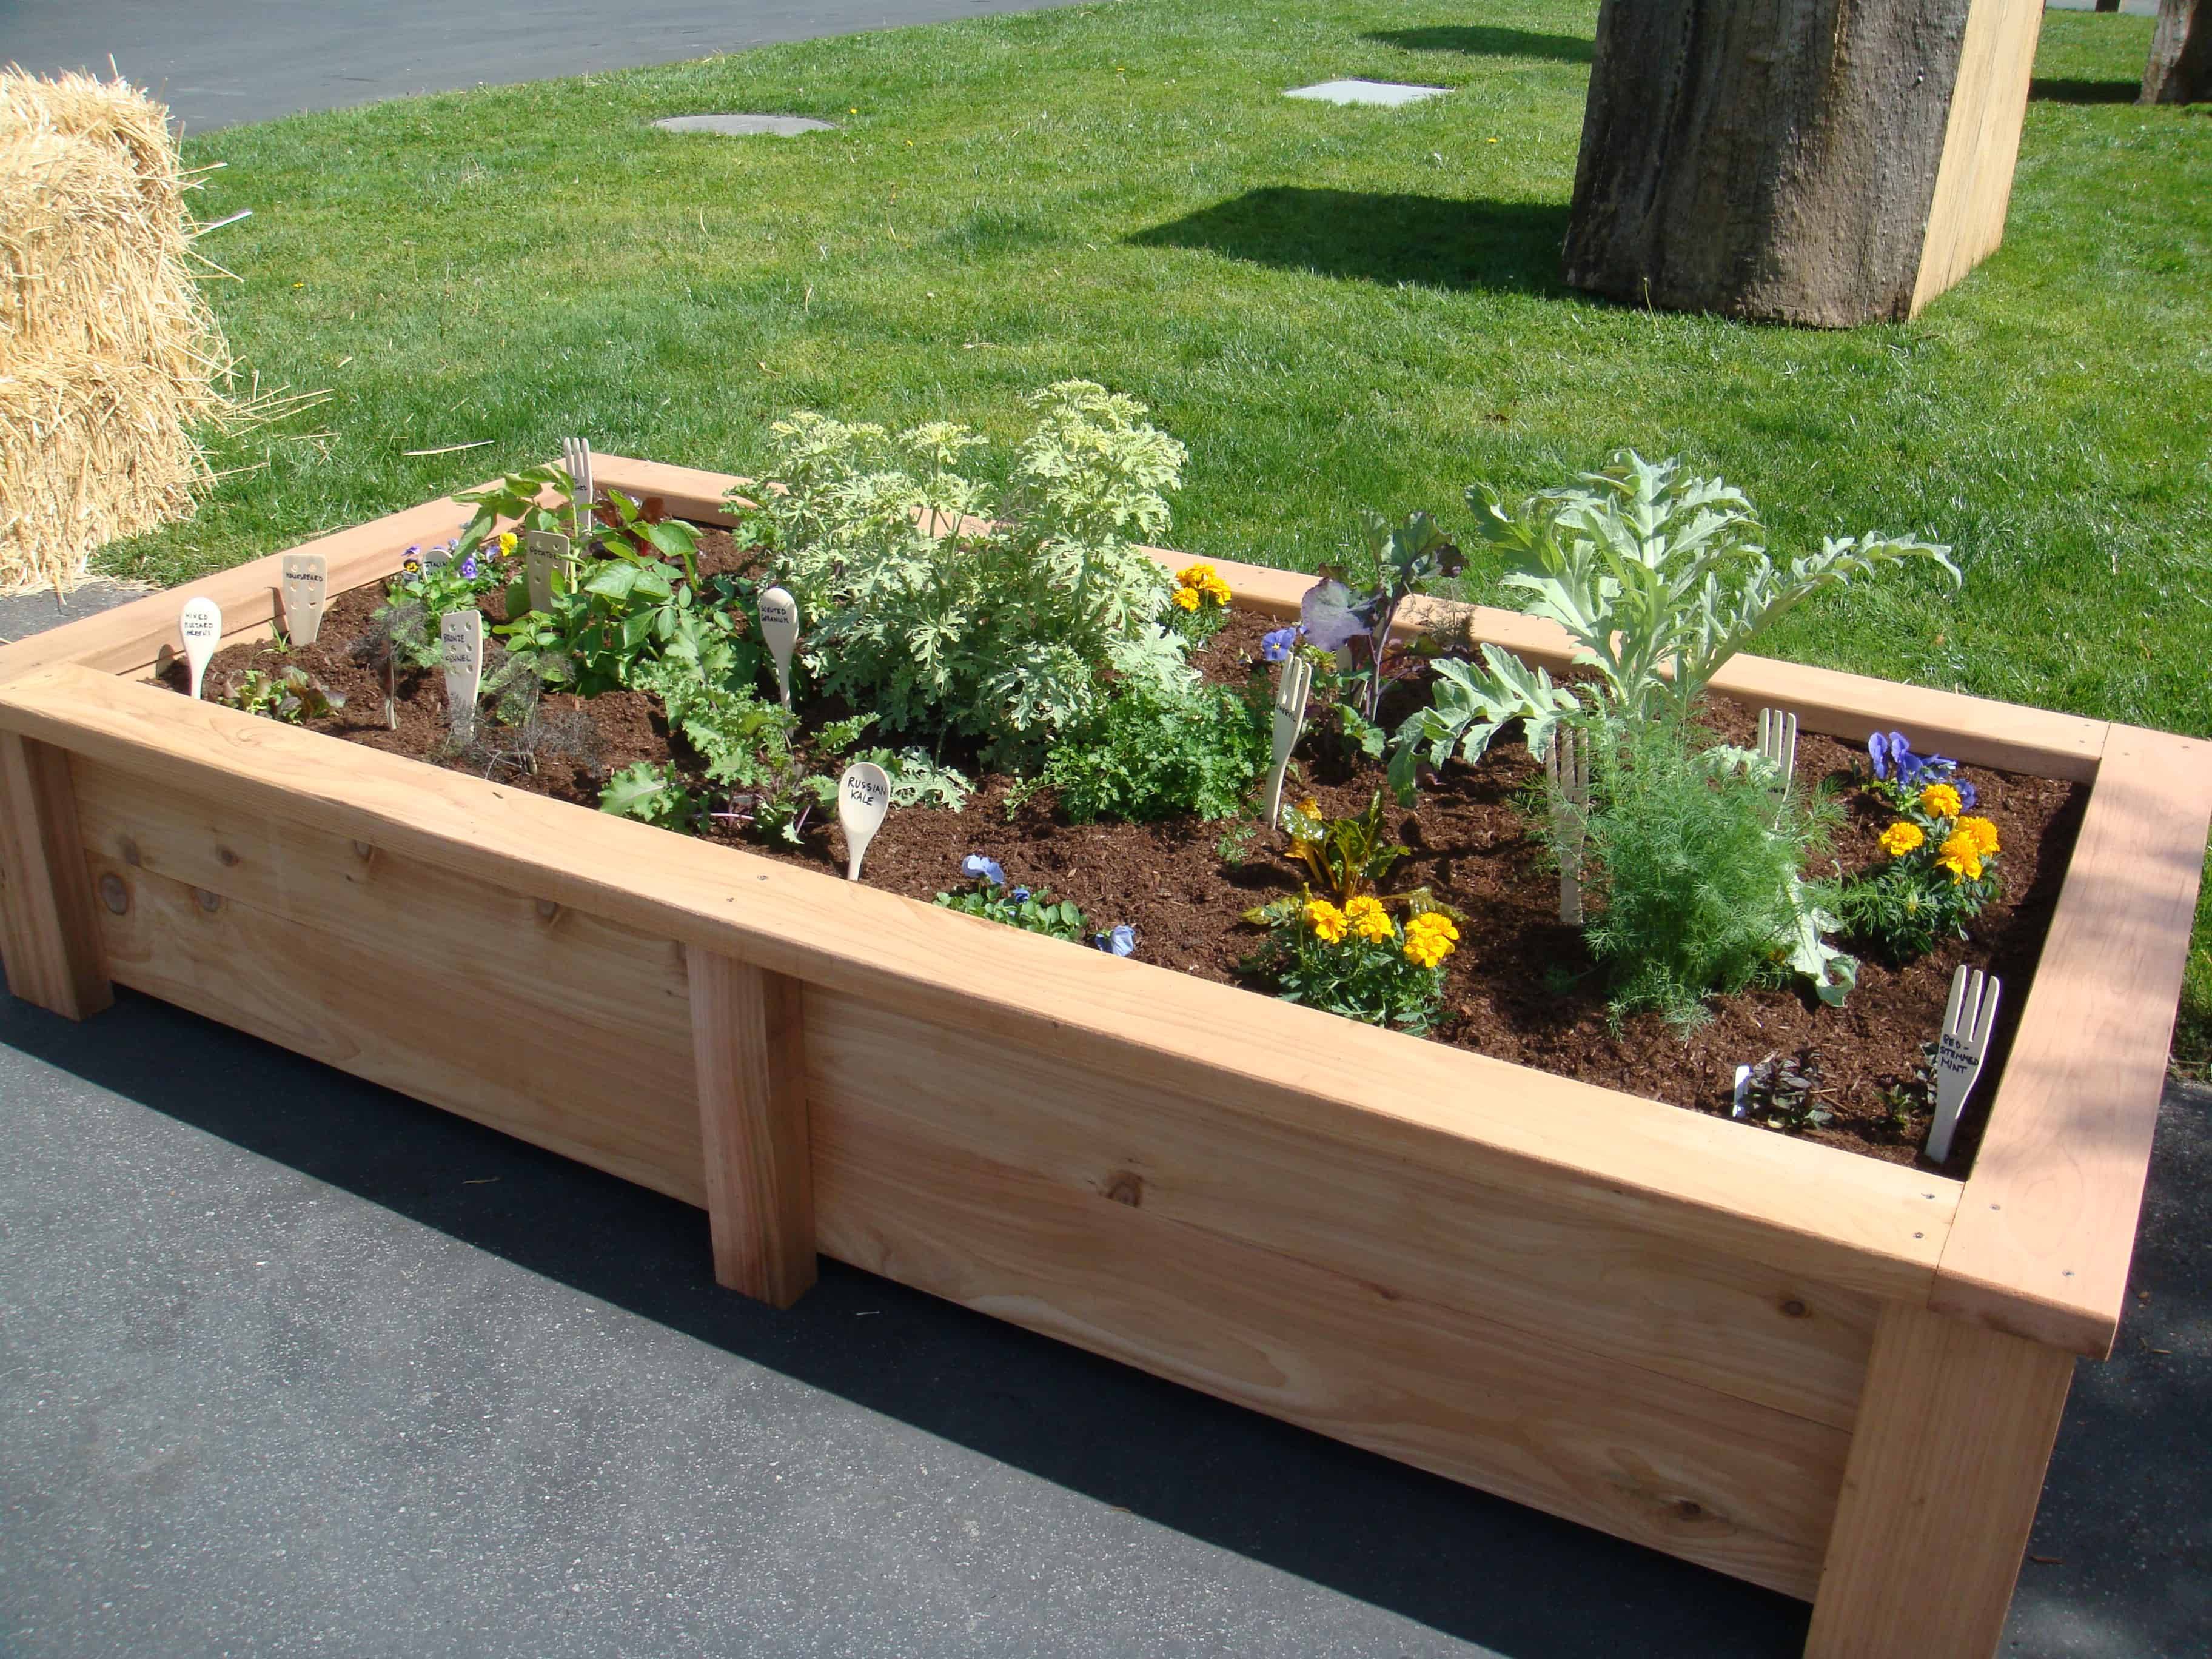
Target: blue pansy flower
x: 1121, y: 942
x: 1278, y: 645
x: 469, y: 569
x: 1019, y: 895
x: 976, y: 865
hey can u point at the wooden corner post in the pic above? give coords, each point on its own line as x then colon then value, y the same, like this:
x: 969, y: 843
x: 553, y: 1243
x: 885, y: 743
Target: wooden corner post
x: 49, y: 936
x: 749, y: 1041
x: 1954, y: 1434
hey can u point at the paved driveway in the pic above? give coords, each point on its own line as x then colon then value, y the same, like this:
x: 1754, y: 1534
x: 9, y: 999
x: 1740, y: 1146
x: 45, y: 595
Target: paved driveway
x: 219, y: 62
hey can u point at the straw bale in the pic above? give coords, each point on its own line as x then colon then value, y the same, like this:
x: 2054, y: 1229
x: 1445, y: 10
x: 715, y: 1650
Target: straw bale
x: 110, y: 358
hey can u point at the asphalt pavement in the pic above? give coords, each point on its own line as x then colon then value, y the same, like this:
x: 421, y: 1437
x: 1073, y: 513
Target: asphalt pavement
x: 219, y: 61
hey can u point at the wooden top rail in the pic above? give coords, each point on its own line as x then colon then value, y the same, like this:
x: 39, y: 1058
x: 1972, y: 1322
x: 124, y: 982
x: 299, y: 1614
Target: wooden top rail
x: 1850, y: 1221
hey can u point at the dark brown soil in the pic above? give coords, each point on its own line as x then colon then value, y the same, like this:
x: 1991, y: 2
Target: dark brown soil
x: 1521, y: 987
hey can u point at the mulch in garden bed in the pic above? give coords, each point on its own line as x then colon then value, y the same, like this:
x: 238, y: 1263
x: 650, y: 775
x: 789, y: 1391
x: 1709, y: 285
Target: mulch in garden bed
x: 1521, y: 987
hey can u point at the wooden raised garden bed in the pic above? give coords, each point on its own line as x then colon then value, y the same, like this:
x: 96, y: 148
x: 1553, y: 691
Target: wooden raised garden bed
x: 1832, y: 1376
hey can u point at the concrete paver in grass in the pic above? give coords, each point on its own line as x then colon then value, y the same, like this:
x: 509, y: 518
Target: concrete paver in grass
x: 1389, y: 94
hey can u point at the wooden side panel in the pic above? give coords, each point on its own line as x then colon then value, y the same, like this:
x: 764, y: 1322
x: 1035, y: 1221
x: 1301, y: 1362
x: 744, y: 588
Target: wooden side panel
x: 1743, y: 1327
x: 1940, y: 1492
x: 48, y: 938
x: 2047, y: 1224
x: 750, y: 1045
x: 450, y: 1018
x: 1741, y: 1488
x: 1981, y: 143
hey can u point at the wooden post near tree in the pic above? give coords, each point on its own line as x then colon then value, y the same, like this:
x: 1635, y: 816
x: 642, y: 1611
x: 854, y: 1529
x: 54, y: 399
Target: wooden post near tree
x: 2180, y: 69
x: 1808, y: 162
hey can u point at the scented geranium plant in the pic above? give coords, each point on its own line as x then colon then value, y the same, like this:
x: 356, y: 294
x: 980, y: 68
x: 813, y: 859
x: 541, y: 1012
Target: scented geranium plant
x: 943, y: 606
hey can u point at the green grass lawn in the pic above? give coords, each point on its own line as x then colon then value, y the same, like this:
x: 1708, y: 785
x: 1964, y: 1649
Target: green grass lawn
x: 1332, y: 307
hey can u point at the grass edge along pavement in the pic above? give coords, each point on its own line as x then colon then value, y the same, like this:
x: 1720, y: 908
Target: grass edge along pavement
x: 1332, y: 307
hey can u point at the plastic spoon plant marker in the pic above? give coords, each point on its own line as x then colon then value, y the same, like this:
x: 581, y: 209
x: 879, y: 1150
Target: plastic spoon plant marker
x: 306, y: 579
x: 779, y: 615
x: 1967, y: 1022
x: 201, y: 624
x: 1292, y: 688
x: 1569, y: 775
x: 863, y: 797
x: 543, y: 552
x: 460, y: 632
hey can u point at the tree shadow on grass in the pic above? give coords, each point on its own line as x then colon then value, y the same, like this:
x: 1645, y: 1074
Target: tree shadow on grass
x: 2083, y: 92
x: 1431, y: 240
x: 1476, y: 41
x: 1513, y: 1580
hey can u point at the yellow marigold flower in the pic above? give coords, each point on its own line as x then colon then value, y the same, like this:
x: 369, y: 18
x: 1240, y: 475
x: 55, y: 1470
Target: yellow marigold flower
x: 1216, y: 590
x: 1984, y: 832
x: 1941, y: 800
x: 1430, y: 938
x: 1368, y: 919
x: 1901, y: 838
x: 507, y: 541
x: 1203, y: 585
x: 1961, y: 854
x: 1326, y: 919
x: 1187, y: 598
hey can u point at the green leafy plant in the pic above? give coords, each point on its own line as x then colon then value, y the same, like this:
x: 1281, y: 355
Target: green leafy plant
x: 941, y: 608
x: 652, y: 793
x: 992, y: 899
x: 1147, y: 754
x: 1338, y: 616
x: 429, y: 587
x: 1657, y: 581
x: 1784, y: 1092
x: 1357, y: 960
x: 1698, y: 859
x: 291, y: 695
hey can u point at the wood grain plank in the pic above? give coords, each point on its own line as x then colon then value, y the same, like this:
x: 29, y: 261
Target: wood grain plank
x: 463, y: 1032
x: 49, y: 939
x: 1740, y: 1488
x: 2046, y: 1228
x: 749, y: 1037
x: 1940, y: 1492
x: 1859, y: 1225
x: 1743, y: 1327
x: 1981, y: 143
x: 591, y: 968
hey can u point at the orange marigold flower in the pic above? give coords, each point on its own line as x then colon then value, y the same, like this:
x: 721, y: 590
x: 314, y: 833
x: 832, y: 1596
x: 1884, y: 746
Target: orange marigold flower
x: 1901, y: 838
x: 1368, y: 919
x: 1326, y: 919
x: 1941, y: 800
x: 1961, y: 854
x: 1187, y: 598
x: 1984, y: 832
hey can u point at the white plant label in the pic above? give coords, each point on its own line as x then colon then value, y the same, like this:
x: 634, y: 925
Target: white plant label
x: 1967, y: 1022
x: 1743, y: 1085
x: 202, y: 626
x: 863, y: 797
x: 306, y: 579
x: 1777, y: 744
x: 1567, y: 768
x: 576, y: 461
x: 437, y: 558
x: 1292, y: 688
x: 460, y: 632
x: 544, y: 552
x: 779, y: 615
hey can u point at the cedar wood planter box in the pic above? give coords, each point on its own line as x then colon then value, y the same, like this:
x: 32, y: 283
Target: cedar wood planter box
x: 1834, y: 1376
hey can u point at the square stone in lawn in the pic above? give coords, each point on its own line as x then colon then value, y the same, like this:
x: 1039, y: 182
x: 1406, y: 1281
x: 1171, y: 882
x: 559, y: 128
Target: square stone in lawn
x: 1366, y: 92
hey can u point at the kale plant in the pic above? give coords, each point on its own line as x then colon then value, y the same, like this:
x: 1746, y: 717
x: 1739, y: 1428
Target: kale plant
x: 944, y: 609
x: 1355, y: 622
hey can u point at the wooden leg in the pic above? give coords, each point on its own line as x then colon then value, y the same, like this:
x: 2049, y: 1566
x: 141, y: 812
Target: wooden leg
x: 752, y: 1051
x: 49, y: 936
x: 1954, y: 1434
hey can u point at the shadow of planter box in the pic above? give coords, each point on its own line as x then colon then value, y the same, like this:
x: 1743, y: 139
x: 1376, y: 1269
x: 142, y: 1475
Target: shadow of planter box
x: 1833, y: 1376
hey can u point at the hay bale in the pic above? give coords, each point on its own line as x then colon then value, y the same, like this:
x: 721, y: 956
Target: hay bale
x: 110, y: 358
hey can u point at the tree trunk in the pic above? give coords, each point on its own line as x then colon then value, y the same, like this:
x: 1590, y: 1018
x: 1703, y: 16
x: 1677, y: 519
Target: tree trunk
x: 2180, y: 69
x: 1829, y: 162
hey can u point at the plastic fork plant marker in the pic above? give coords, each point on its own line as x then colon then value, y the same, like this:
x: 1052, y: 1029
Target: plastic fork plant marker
x: 460, y: 632
x: 1569, y: 775
x: 307, y: 580
x: 576, y: 458
x: 1777, y: 743
x: 863, y: 797
x: 544, y: 552
x: 201, y: 624
x: 1292, y: 687
x: 779, y: 615
x: 1967, y: 1022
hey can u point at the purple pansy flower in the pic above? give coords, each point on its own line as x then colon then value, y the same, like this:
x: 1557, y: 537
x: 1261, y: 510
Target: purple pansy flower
x: 1019, y: 895
x: 987, y: 869
x: 1121, y: 942
x: 1276, y: 646
x: 469, y: 569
